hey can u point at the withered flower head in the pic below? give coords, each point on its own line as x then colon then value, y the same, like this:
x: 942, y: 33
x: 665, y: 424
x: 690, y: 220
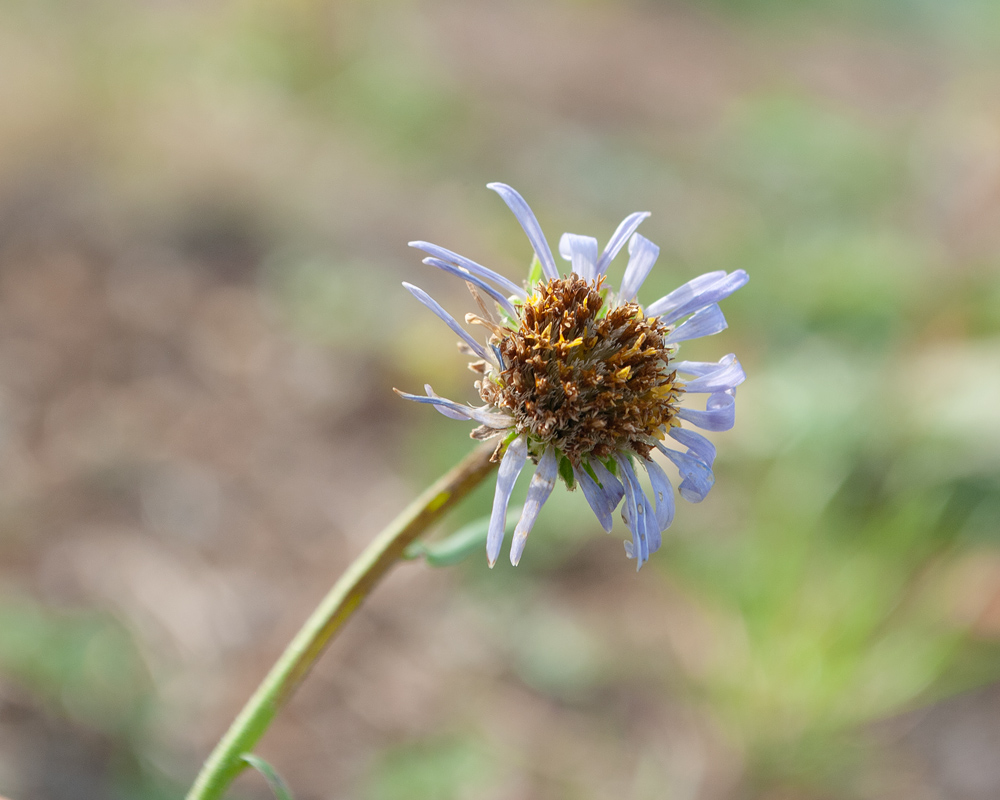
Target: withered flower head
x: 585, y: 382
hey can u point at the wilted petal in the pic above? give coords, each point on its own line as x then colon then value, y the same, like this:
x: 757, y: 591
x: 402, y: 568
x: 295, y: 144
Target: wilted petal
x: 448, y: 408
x: 719, y: 415
x: 697, y: 477
x: 603, y: 500
x: 630, y: 516
x: 697, y: 444
x: 581, y: 252
x: 696, y: 294
x: 654, y: 537
x: 606, y: 478
x: 699, y: 368
x: 542, y: 483
x: 663, y: 493
x: 642, y: 255
x: 449, y: 320
x: 482, y: 414
x: 654, y: 533
x: 476, y: 269
x: 618, y: 239
x: 705, y: 323
x: 510, y: 467
x: 529, y: 223
x: 728, y: 374
x: 442, y: 405
x: 635, y: 511
x: 453, y: 410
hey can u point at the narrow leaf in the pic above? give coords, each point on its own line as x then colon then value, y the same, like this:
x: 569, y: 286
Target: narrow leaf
x: 460, y: 545
x: 274, y: 780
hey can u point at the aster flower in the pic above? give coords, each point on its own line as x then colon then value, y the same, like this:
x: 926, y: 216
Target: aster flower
x: 584, y: 381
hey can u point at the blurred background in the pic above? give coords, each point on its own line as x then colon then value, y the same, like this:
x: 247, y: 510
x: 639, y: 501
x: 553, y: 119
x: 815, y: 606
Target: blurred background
x: 204, y: 210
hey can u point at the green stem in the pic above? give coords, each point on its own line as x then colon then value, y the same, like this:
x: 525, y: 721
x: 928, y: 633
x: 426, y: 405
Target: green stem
x: 225, y: 762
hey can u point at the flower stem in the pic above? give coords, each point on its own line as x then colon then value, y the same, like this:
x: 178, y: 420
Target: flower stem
x: 225, y: 762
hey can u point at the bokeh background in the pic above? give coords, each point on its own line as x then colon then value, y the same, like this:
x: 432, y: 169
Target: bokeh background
x: 204, y: 210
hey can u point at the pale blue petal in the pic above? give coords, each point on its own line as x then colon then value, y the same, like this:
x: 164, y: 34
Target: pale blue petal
x: 684, y: 293
x: 697, y: 477
x: 526, y: 217
x: 699, y: 368
x: 630, y: 516
x: 453, y: 410
x: 602, y: 501
x: 503, y: 302
x: 654, y: 533
x: 697, y: 444
x: 581, y: 252
x: 476, y: 269
x: 608, y: 482
x: 706, y: 322
x: 663, y: 493
x: 690, y: 490
x: 728, y: 375
x: 693, y: 296
x: 449, y: 320
x: 482, y: 414
x: 542, y: 483
x: 634, y: 511
x: 499, y: 355
x: 618, y: 239
x: 510, y: 467
x: 444, y: 411
x: 653, y: 536
x: 442, y: 405
x: 642, y: 255
x: 720, y: 399
x: 491, y: 419
x: 719, y: 415
x: 449, y: 408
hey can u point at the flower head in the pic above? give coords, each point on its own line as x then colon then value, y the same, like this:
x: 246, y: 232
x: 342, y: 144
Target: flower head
x: 584, y: 381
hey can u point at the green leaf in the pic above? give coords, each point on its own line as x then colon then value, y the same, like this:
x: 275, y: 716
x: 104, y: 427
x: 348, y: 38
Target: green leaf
x: 566, y: 472
x: 274, y: 780
x: 534, y: 272
x: 461, y: 544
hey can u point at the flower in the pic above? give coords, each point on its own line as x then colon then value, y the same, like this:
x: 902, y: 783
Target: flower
x: 584, y: 381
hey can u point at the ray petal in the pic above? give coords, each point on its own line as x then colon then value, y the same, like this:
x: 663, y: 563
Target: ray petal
x: 696, y: 294
x: 602, y: 501
x: 510, y: 467
x: 529, y: 223
x: 642, y: 255
x: 696, y: 444
x: 476, y: 269
x: 706, y: 322
x: 542, y: 483
x: 451, y: 269
x: 635, y: 511
x: 719, y: 414
x: 617, y: 241
x: 697, y: 478
x: 581, y: 252
x: 728, y: 375
x: 663, y: 493
x: 449, y: 320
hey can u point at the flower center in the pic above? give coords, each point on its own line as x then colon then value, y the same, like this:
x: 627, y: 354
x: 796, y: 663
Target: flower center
x: 590, y: 384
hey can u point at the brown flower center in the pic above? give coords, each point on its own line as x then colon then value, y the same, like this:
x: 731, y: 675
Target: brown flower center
x: 588, y: 384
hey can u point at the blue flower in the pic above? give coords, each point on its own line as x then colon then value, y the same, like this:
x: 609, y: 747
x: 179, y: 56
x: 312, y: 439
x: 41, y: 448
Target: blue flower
x: 584, y: 381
